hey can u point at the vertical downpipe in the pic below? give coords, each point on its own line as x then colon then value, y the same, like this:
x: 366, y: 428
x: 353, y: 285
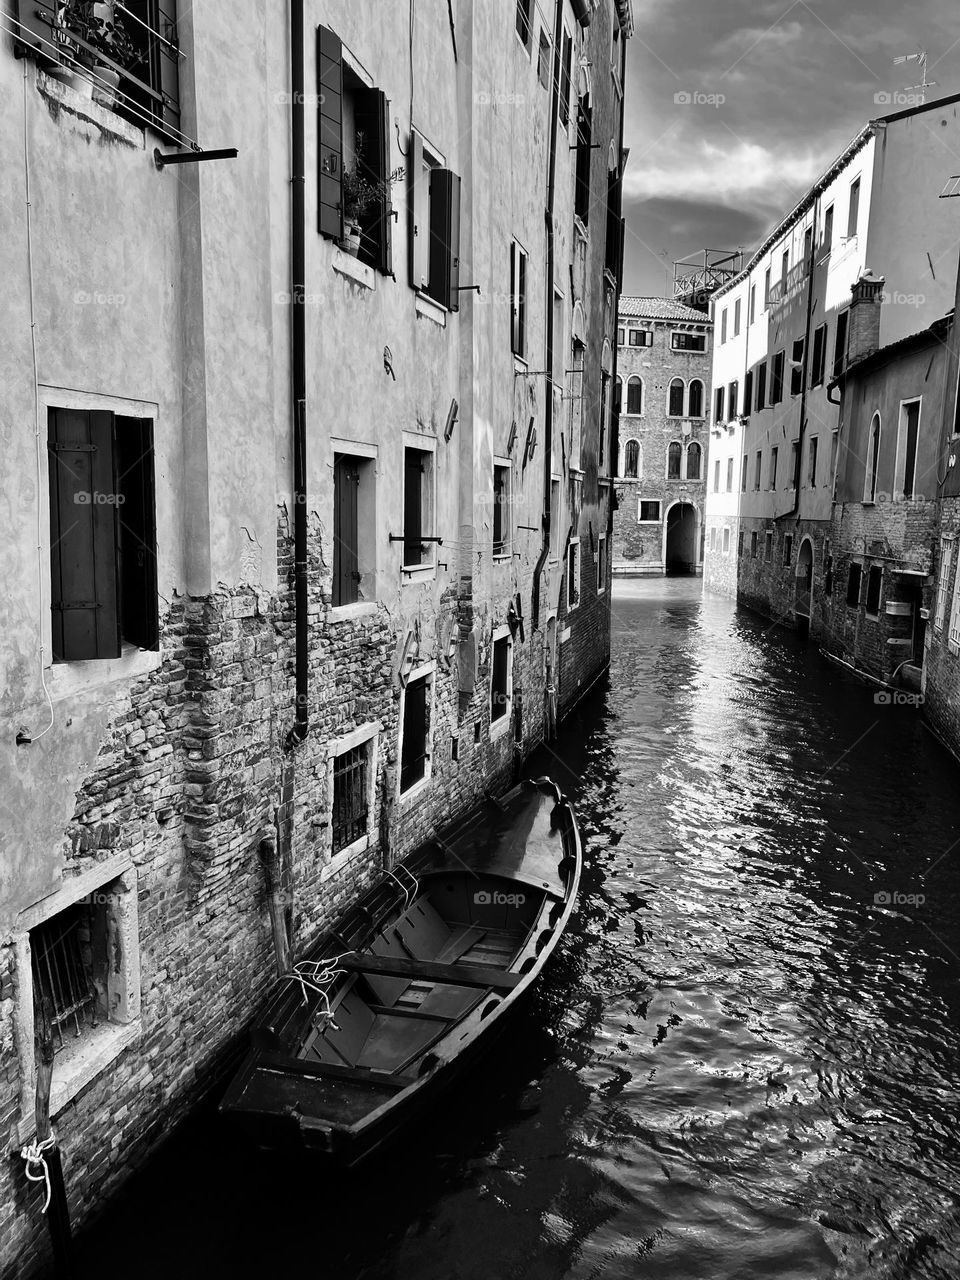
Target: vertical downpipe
x: 298, y: 373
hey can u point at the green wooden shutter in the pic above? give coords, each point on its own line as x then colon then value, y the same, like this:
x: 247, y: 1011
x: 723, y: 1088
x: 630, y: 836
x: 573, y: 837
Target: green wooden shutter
x: 169, y: 65
x: 34, y: 30
x: 137, y: 532
x: 418, y: 189
x: 445, y: 238
x: 83, y: 536
x: 330, y: 123
x: 412, y: 507
x: 380, y: 145
x: 346, y: 482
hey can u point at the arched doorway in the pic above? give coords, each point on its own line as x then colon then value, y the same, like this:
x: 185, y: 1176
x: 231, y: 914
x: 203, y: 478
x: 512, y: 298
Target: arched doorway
x: 804, y: 586
x: 681, y: 549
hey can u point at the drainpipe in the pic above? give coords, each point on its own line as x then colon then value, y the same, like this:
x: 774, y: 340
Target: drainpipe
x: 548, y: 223
x: 795, y: 509
x: 614, y: 369
x: 298, y: 373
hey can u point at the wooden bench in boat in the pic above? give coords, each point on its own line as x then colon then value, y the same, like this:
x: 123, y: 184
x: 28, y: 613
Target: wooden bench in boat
x: 457, y: 975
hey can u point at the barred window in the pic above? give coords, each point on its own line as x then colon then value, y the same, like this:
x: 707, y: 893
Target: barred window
x: 351, y: 796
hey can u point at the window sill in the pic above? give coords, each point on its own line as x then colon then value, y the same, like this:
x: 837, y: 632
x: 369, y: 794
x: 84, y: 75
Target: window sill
x: 412, y: 793
x: 69, y: 679
x: 417, y: 573
x: 502, y: 557
x: 580, y: 228
x: 519, y: 364
x: 347, y: 265
x: 431, y: 310
x: 350, y: 612
x: 500, y: 726
x: 341, y: 860
x: 83, y: 106
x: 78, y: 1065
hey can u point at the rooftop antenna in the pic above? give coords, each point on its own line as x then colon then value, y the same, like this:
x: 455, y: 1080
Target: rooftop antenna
x: 920, y: 57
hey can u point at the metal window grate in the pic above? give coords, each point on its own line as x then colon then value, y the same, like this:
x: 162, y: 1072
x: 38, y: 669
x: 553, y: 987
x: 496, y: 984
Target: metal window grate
x: 59, y: 972
x: 350, y: 808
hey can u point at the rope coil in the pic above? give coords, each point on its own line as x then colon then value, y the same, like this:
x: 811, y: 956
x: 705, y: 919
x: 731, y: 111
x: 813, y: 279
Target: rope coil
x: 35, y: 1154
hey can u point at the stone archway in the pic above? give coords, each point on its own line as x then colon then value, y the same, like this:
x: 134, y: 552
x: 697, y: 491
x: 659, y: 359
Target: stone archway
x: 681, y: 552
x: 804, y: 584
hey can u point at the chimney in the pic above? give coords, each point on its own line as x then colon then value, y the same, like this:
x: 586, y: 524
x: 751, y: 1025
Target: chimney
x: 863, y: 333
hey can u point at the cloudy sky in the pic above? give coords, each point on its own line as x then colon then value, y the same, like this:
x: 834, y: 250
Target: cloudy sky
x: 734, y: 106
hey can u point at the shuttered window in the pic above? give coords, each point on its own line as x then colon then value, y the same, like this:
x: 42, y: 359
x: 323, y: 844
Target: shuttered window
x: 500, y: 679
x: 416, y: 726
x: 103, y: 577
x: 346, y: 558
x: 434, y: 227
x: 614, y: 244
x: 565, y: 66
x: 518, y: 299
x: 417, y: 507
x: 330, y: 129
x: 581, y: 206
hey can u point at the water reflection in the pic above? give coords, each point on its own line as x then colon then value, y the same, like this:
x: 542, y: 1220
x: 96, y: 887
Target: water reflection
x: 742, y: 1064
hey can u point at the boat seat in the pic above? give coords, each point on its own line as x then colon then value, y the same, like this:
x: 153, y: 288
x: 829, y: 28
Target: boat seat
x: 387, y: 990
x: 451, y: 1002
x: 354, y: 1021
x: 427, y: 936
x: 394, y: 1040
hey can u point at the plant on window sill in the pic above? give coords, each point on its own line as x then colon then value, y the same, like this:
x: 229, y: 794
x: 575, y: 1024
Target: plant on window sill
x: 98, y: 48
x: 360, y: 193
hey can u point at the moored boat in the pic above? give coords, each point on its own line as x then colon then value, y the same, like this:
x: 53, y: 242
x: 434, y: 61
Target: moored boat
x: 413, y: 981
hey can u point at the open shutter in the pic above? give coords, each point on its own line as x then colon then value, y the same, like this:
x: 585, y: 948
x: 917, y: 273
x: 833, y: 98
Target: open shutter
x: 514, y: 297
x: 346, y: 480
x: 418, y: 196
x: 413, y: 507
x: 34, y: 29
x: 382, y: 124
x: 444, y: 237
x: 83, y: 538
x: 169, y: 64
x: 137, y: 532
x: 330, y: 122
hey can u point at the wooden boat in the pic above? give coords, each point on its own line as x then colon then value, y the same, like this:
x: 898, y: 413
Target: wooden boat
x: 414, y: 980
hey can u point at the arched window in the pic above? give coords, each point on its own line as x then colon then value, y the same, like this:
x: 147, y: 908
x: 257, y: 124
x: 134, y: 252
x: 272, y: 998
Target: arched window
x: 631, y: 459
x: 673, y: 460
x: 634, y: 395
x: 695, y: 405
x: 675, y: 405
x: 694, y: 458
x: 873, y: 459
x: 618, y: 395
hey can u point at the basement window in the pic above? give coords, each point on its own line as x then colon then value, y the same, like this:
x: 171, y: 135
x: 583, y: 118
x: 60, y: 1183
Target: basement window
x: 103, y: 559
x: 353, y: 775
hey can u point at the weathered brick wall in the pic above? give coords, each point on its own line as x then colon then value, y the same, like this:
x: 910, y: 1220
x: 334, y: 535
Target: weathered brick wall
x: 583, y: 633
x: 720, y: 567
x: 941, y: 670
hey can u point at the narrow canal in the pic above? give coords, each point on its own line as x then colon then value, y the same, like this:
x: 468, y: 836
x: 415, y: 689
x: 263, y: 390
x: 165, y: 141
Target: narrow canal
x: 746, y: 1062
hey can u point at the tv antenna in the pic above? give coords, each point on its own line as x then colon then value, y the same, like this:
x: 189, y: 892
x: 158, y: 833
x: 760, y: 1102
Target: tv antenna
x: 920, y: 58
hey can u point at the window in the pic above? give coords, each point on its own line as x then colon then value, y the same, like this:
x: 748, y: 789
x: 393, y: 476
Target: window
x: 573, y: 574
x: 761, y: 385
x: 635, y: 395
x: 675, y: 402
x: 353, y: 794
x: 555, y: 518
x: 543, y: 59
x: 740, y: 544
x: 353, y: 519
x: 796, y: 369
x: 853, y: 585
x: 794, y: 476
x: 621, y: 337
x: 874, y: 585
x: 747, y: 392
x: 753, y: 303
x: 694, y: 460
x: 688, y: 341
x: 641, y: 337
x: 601, y: 563
x: 953, y: 633
x: 617, y: 396
x: 613, y: 244
x: 774, y: 454
x: 743, y: 473
x: 415, y: 730
x: 565, y: 66
x: 518, y: 300
x: 718, y: 405
x: 729, y: 475
x: 501, y: 677
x: 604, y: 412
x: 501, y: 509
x: 736, y: 318
x: 768, y: 546
x: 834, y: 443
x: 673, y: 460
x: 648, y: 510
x: 766, y: 289
x: 776, y: 378
x: 581, y: 202
x: 733, y: 393
x: 840, y: 344
x: 754, y: 544
x: 695, y: 399
x: 873, y: 461
x: 434, y: 224
x: 713, y: 539
x: 853, y: 213
x: 523, y: 20
x: 827, y: 239
x: 103, y: 560
x: 723, y: 326
x: 943, y: 582
x: 784, y: 269
x: 417, y: 507
x: 758, y: 467
x: 787, y: 548
x: 576, y: 404
x: 819, y: 355
x: 907, y: 435
x: 807, y: 242
x: 812, y: 449
x: 631, y: 459
x: 716, y: 476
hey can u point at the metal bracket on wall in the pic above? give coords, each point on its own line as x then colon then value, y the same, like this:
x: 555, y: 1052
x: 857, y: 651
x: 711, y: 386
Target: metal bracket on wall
x: 162, y: 159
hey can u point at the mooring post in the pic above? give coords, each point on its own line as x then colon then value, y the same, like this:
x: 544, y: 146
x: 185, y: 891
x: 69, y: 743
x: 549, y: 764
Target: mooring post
x: 44, y: 1165
x: 270, y: 860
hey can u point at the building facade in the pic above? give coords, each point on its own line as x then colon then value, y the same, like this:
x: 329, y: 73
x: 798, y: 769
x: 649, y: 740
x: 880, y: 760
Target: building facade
x: 663, y: 390
x: 781, y: 334
x: 322, y: 487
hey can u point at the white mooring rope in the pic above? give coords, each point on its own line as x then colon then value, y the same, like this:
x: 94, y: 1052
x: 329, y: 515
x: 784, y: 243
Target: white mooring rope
x: 35, y: 1153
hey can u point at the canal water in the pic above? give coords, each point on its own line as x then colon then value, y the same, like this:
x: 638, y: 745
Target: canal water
x: 744, y: 1063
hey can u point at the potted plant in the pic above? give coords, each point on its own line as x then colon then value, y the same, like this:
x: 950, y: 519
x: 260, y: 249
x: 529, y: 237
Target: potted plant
x: 97, y: 24
x: 359, y: 193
